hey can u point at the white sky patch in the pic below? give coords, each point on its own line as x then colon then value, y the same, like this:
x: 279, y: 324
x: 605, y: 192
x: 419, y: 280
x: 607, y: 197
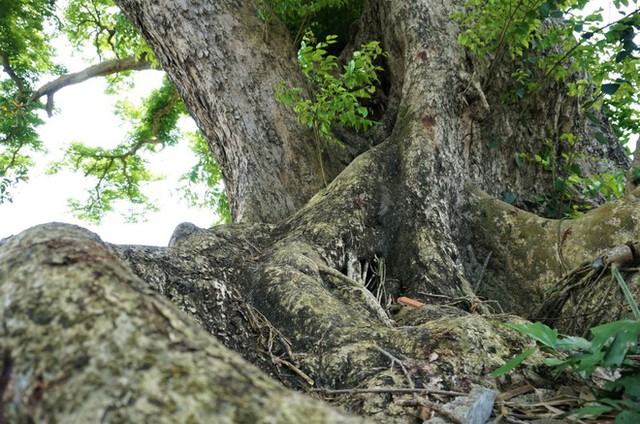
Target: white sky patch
x: 85, y: 113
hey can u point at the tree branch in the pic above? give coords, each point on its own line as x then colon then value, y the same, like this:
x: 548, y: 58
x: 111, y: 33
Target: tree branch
x: 105, y: 68
x: 6, y: 66
x: 569, y: 52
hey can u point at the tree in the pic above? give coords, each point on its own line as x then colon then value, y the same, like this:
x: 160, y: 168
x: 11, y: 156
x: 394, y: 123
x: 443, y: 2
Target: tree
x: 300, y: 284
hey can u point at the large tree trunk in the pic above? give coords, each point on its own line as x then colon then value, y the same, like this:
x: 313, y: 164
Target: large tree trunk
x: 300, y: 285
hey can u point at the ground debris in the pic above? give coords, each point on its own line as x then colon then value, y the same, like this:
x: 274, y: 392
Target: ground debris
x: 475, y: 408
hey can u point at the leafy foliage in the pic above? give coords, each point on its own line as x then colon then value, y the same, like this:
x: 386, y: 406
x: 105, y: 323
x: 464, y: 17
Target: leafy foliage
x: 335, y: 98
x: 323, y: 17
x: 206, y: 172
x: 120, y: 172
x: 25, y: 52
x: 27, y: 29
x: 554, y: 39
x: 614, y: 345
x: 558, y: 40
x: 27, y: 32
x: 103, y: 26
x: 331, y: 98
x: 572, y: 188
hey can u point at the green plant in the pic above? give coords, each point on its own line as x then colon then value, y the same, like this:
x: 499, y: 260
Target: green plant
x: 549, y: 40
x: 323, y: 17
x: 25, y: 53
x: 614, y: 345
x: 121, y: 172
x: 205, y: 173
x: 560, y: 40
x: 572, y: 188
x: 332, y: 98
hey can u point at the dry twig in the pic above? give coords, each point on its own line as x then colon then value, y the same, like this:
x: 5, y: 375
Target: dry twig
x: 392, y: 390
x: 398, y: 361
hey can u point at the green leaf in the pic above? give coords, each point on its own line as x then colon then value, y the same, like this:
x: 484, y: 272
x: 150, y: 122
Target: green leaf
x: 540, y: 332
x: 592, y: 411
x: 625, y: 290
x: 593, y: 118
x: 574, y: 169
x: 513, y: 362
x: 610, y: 88
x: 620, y: 335
x: 600, y: 137
x: 621, y: 56
x: 543, y: 10
x: 631, y: 386
x: 617, y: 352
x: 628, y: 417
x: 635, y: 173
x: 573, y: 343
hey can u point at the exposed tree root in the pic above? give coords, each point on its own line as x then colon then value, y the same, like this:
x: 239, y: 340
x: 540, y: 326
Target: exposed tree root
x: 589, y: 295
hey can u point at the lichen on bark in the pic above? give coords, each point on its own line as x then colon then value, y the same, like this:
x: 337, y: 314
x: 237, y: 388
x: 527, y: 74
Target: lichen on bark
x: 304, y: 284
x: 85, y: 340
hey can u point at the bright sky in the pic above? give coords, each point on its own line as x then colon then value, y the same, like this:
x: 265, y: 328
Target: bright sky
x: 86, y: 114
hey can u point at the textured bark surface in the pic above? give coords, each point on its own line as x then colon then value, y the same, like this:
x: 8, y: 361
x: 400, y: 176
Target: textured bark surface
x: 304, y: 284
x: 85, y: 340
x: 227, y: 66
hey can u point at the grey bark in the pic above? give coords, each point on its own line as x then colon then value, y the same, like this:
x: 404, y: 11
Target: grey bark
x: 305, y: 286
x: 227, y: 65
x: 85, y: 340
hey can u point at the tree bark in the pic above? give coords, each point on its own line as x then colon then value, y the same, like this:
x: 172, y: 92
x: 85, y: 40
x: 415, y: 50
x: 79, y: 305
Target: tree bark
x: 304, y: 284
x: 227, y: 66
x: 85, y: 340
